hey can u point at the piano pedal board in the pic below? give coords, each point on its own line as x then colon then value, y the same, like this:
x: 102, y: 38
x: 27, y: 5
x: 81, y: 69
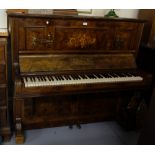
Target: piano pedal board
x: 78, y: 126
x: 71, y: 127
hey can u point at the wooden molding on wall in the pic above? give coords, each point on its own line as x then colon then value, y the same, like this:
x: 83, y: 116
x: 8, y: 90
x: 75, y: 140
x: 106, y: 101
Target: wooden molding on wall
x: 17, y: 11
x: 65, y: 12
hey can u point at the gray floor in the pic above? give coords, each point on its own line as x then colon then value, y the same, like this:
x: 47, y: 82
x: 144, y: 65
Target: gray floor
x: 107, y: 133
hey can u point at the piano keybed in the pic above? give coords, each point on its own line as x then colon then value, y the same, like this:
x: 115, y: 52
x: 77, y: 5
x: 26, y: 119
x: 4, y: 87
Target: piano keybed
x: 77, y: 79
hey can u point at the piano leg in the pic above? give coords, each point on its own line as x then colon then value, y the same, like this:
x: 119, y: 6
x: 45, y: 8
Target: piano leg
x: 18, y: 103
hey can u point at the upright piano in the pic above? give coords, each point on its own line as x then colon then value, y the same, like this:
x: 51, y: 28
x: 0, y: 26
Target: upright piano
x: 75, y: 69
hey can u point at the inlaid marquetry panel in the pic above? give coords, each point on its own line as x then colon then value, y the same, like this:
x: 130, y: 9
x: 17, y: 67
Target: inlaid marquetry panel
x: 82, y: 38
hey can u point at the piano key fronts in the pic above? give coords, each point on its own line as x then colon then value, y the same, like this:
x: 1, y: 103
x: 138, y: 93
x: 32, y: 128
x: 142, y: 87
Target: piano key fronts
x: 78, y: 73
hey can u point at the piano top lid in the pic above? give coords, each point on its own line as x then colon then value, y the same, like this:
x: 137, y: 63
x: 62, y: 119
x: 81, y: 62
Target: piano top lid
x: 25, y: 15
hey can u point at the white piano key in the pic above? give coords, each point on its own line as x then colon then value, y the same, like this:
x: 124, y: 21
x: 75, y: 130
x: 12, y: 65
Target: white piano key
x: 56, y: 81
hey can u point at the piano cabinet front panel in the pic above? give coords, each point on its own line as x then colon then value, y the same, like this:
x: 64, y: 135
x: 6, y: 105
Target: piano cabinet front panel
x: 66, y: 110
x: 46, y: 111
x: 45, y: 34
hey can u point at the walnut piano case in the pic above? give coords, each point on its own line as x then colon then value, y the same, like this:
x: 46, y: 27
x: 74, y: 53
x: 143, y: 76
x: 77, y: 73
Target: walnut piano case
x: 69, y: 48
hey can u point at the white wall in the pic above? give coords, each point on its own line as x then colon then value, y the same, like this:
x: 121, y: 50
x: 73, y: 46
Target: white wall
x: 3, y: 19
x: 127, y: 13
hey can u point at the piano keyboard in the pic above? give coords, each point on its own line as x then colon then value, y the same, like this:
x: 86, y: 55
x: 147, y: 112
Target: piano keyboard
x: 72, y: 79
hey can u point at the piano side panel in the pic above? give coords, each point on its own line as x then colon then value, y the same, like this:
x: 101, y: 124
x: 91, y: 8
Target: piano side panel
x: 38, y: 63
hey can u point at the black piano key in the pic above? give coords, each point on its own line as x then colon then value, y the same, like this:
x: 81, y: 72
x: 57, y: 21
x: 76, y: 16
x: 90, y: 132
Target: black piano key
x: 62, y: 78
x: 52, y: 78
x: 106, y: 75
x: 69, y: 77
x: 30, y: 78
x: 99, y: 76
x: 26, y: 79
x: 42, y: 79
x: 119, y: 74
x: 76, y: 76
x: 73, y: 77
x: 114, y: 75
x: 33, y: 78
x: 38, y: 78
x: 79, y: 77
x: 90, y: 76
x: 95, y: 77
x: 49, y: 78
x: 66, y: 77
x: 56, y: 77
x: 83, y: 76
x: 129, y: 74
x: 59, y: 77
x: 126, y: 75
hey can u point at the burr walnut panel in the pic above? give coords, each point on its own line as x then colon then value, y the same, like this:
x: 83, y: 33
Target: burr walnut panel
x: 38, y: 63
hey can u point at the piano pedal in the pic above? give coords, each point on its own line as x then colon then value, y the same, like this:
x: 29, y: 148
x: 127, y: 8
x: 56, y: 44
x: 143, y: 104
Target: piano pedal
x: 78, y: 126
x: 70, y: 126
